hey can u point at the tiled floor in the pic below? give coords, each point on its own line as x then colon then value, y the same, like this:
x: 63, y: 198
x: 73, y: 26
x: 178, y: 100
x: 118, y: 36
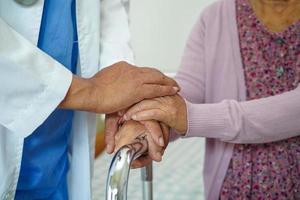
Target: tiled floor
x: 177, y: 177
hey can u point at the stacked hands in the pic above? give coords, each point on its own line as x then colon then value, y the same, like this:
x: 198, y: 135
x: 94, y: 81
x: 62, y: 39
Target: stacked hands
x: 136, y: 100
x: 153, y: 117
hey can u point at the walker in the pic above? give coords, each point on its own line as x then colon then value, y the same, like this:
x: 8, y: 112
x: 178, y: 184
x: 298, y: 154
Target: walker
x: 118, y: 175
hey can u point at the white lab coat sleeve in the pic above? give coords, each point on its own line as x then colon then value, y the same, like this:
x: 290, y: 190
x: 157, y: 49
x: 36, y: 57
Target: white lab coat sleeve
x: 32, y: 84
x: 115, y: 34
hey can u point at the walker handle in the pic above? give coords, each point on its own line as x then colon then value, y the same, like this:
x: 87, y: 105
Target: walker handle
x: 118, y: 175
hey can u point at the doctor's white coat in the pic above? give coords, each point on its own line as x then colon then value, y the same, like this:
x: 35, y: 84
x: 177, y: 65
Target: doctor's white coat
x: 32, y: 84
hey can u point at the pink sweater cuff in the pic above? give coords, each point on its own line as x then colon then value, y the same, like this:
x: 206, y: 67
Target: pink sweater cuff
x: 207, y: 120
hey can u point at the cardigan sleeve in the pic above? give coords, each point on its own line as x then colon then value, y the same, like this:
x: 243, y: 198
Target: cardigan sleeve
x: 257, y: 121
x: 191, y: 74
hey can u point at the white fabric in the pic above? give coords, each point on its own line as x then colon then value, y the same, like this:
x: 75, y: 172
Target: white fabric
x: 33, y: 84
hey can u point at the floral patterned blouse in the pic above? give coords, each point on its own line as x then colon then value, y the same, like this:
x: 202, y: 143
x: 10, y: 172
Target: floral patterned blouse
x: 271, y: 66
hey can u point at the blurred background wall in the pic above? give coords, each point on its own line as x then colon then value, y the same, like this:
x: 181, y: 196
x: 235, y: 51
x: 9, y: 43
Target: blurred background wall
x: 160, y: 29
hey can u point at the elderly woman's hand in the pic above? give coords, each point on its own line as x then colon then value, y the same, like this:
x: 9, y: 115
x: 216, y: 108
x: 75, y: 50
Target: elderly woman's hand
x: 112, y: 124
x: 170, y: 110
x: 130, y: 130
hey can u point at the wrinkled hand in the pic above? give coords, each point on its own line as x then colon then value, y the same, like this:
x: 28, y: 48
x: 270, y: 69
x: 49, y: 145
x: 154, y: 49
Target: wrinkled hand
x: 117, y: 87
x: 112, y: 123
x: 131, y: 130
x: 147, y: 159
x: 170, y: 110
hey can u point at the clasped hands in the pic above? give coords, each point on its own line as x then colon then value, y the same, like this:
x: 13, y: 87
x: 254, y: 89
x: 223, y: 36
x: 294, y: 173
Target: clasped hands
x: 153, y: 117
x: 141, y: 99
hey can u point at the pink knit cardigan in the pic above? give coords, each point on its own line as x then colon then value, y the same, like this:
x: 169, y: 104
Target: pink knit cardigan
x: 212, y: 80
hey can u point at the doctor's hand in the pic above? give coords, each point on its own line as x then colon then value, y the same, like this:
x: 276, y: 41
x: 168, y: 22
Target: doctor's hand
x: 131, y: 130
x: 170, y: 110
x: 117, y: 87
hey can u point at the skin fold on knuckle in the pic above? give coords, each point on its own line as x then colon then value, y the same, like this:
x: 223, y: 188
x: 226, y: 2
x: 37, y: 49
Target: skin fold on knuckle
x: 109, y: 136
x: 169, y: 90
x: 149, y: 104
x: 156, y: 91
x: 108, y: 129
x: 145, y: 115
x: 136, y: 108
x: 144, y: 92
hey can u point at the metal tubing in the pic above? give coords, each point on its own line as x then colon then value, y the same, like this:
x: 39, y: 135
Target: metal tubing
x: 147, y: 178
x: 117, y: 181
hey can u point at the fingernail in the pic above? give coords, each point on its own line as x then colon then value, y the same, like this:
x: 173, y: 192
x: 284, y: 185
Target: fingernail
x: 176, y: 89
x: 161, y: 141
x: 134, y: 117
x: 109, y: 148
